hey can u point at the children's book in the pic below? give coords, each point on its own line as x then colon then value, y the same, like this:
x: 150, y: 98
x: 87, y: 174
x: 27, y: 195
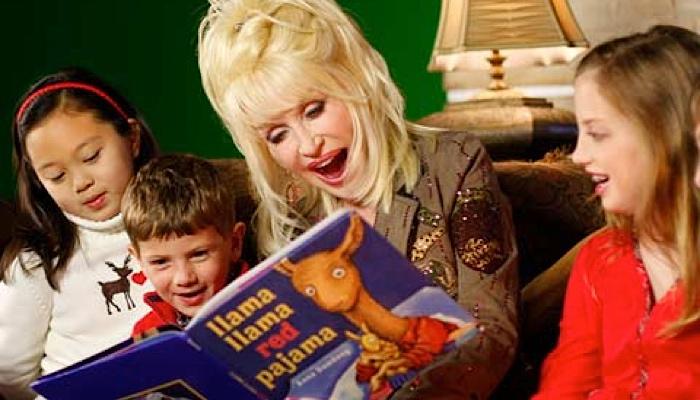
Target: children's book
x: 337, y: 314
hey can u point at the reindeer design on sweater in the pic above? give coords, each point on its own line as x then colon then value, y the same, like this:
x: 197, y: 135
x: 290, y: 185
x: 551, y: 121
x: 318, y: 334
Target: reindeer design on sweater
x: 121, y: 285
x: 332, y: 281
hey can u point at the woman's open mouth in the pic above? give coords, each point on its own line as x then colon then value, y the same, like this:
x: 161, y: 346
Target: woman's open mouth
x: 330, y: 168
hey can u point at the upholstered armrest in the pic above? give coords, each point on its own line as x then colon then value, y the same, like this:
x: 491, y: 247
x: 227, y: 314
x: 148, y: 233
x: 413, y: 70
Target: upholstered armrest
x: 552, y: 209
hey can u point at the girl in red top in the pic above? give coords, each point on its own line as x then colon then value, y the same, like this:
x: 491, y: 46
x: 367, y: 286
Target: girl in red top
x: 630, y: 326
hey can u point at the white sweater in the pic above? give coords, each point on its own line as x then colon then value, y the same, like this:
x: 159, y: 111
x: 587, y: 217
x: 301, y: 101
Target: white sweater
x: 43, y: 330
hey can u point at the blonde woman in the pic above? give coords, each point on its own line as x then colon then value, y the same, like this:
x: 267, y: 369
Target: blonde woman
x: 630, y: 327
x: 313, y: 109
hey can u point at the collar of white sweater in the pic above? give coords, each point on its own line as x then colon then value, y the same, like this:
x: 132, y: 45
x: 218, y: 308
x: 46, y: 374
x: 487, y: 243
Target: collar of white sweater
x: 112, y: 225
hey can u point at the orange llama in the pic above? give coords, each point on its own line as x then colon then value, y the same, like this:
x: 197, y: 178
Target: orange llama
x: 332, y: 281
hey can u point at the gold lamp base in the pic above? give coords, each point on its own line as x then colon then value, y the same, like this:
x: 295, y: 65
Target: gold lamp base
x: 498, y: 88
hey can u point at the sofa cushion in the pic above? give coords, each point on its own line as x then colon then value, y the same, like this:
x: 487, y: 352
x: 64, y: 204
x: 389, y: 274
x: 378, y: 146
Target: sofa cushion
x: 235, y: 173
x: 553, y: 208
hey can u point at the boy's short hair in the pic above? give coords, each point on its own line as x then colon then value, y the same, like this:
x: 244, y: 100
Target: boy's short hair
x: 177, y: 195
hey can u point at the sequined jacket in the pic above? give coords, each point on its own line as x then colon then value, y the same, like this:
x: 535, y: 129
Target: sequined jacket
x: 456, y: 227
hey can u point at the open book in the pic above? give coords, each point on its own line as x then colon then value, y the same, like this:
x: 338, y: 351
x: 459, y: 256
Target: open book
x: 339, y: 313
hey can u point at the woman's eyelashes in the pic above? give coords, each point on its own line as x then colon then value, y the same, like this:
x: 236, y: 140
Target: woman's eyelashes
x: 310, y: 111
x: 314, y: 109
x: 276, y: 134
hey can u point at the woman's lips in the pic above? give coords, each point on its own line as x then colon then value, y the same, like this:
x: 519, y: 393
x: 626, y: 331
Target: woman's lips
x: 330, y: 168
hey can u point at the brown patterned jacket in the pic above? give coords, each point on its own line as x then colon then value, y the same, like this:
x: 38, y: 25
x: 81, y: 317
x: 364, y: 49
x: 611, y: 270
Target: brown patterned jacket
x: 456, y: 227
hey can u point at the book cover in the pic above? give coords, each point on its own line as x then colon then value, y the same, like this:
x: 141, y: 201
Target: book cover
x: 337, y: 314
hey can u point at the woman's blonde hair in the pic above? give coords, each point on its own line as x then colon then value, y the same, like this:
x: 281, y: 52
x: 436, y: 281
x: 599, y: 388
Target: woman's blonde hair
x: 648, y: 77
x: 260, y: 58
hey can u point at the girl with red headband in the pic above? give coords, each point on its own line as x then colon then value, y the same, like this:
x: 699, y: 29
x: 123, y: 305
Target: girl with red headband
x: 68, y: 288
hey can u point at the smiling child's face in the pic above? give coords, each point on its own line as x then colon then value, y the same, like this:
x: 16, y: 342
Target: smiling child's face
x: 187, y: 271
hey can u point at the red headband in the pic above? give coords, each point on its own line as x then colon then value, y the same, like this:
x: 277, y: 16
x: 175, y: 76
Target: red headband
x: 67, y: 85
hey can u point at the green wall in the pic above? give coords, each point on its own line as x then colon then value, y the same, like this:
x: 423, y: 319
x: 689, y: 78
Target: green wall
x: 147, y: 50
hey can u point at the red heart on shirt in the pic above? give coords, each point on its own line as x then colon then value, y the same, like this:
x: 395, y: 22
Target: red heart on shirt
x: 139, y: 277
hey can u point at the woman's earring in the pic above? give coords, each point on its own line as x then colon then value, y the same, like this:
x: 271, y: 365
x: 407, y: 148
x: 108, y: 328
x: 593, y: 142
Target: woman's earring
x: 293, y: 191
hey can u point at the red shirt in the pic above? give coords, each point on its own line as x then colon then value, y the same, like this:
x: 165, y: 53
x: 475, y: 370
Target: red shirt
x: 161, y: 315
x: 608, y: 346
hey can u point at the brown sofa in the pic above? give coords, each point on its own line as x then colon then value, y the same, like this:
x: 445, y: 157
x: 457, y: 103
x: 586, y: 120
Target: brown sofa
x: 552, y: 211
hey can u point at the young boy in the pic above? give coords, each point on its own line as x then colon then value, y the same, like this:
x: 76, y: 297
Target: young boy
x: 180, y: 218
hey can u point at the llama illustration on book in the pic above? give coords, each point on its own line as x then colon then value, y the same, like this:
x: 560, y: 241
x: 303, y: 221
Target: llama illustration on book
x: 390, y: 344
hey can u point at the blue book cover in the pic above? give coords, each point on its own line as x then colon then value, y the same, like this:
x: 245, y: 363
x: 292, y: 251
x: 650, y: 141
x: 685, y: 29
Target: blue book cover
x: 166, y: 366
x: 339, y: 313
